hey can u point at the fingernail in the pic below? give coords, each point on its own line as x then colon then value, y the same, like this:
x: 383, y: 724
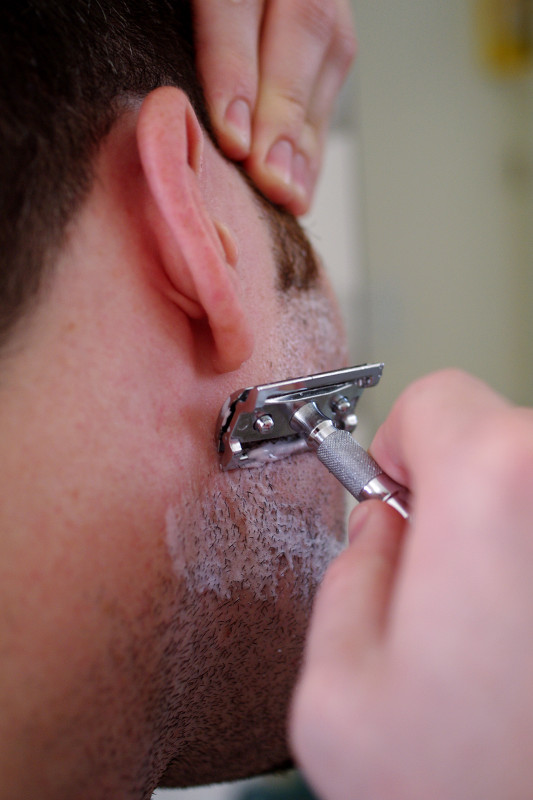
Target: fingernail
x: 358, y: 520
x: 238, y: 120
x: 279, y: 161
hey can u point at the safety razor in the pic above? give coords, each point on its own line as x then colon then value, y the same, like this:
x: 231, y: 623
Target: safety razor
x: 316, y: 413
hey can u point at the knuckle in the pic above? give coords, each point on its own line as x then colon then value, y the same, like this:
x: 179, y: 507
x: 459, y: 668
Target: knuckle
x: 502, y: 453
x: 246, y: 4
x: 492, y: 469
x: 317, y: 16
x: 435, y: 382
x: 430, y: 391
x: 292, y: 105
x: 237, y: 73
x: 420, y: 392
x: 236, y: 61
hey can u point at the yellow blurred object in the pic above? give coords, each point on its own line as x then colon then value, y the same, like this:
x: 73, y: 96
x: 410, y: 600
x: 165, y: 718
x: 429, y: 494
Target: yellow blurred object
x: 505, y: 30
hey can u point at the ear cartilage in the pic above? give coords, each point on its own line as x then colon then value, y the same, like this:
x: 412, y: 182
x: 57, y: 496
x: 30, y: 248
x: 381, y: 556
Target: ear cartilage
x: 314, y: 413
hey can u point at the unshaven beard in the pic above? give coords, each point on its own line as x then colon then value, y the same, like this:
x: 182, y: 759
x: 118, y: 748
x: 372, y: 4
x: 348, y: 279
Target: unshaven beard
x: 262, y: 541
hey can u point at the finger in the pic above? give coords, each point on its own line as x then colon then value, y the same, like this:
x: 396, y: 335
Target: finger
x: 433, y: 424
x: 347, y: 623
x: 335, y: 67
x: 352, y: 605
x: 287, y: 148
x: 311, y: 146
x: 227, y: 34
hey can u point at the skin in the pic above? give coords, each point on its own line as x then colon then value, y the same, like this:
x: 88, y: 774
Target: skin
x: 272, y: 102
x: 417, y: 676
x: 124, y: 663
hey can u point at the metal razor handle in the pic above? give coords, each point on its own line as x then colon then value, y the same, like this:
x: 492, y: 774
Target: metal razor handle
x: 348, y: 461
x: 359, y: 473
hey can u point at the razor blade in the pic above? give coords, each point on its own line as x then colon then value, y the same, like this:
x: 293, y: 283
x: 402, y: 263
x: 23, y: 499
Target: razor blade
x: 316, y: 413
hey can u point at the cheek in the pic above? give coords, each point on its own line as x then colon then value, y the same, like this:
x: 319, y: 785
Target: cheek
x: 320, y: 335
x: 309, y: 336
x: 279, y: 525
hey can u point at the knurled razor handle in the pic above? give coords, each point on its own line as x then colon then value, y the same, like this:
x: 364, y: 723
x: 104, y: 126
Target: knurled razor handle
x: 359, y: 473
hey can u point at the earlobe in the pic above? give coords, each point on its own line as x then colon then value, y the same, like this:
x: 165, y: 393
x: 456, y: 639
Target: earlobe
x: 199, y: 254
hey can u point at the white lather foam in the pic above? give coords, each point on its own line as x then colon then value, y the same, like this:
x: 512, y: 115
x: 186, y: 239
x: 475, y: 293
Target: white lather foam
x: 249, y: 534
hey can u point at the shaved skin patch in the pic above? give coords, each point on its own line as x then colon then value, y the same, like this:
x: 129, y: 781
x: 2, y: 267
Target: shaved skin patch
x: 258, y: 530
x: 281, y: 524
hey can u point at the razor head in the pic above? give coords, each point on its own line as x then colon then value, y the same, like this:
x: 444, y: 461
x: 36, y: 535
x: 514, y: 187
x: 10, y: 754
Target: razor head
x: 254, y: 424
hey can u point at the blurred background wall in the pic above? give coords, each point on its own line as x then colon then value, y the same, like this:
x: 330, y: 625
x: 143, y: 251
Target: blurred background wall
x: 444, y: 120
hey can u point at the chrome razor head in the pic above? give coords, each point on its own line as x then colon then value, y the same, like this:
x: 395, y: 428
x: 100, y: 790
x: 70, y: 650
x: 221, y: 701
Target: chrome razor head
x: 254, y: 426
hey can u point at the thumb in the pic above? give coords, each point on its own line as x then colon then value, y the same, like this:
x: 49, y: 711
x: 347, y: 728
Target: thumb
x: 352, y: 605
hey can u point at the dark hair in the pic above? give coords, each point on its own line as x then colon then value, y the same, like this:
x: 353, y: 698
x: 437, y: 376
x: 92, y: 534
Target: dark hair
x: 67, y: 70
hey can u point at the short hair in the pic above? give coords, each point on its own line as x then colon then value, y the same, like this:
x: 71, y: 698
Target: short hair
x: 68, y: 69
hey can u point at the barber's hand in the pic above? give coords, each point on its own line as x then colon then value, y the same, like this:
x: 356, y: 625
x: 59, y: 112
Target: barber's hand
x: 272, y: 70
x: 418, y: 676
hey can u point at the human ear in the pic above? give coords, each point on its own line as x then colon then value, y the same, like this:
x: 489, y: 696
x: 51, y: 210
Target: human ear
x: 198, y: 253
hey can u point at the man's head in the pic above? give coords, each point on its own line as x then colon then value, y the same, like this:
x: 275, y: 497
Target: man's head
x: 154, y: 607
x: 67, y: 71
